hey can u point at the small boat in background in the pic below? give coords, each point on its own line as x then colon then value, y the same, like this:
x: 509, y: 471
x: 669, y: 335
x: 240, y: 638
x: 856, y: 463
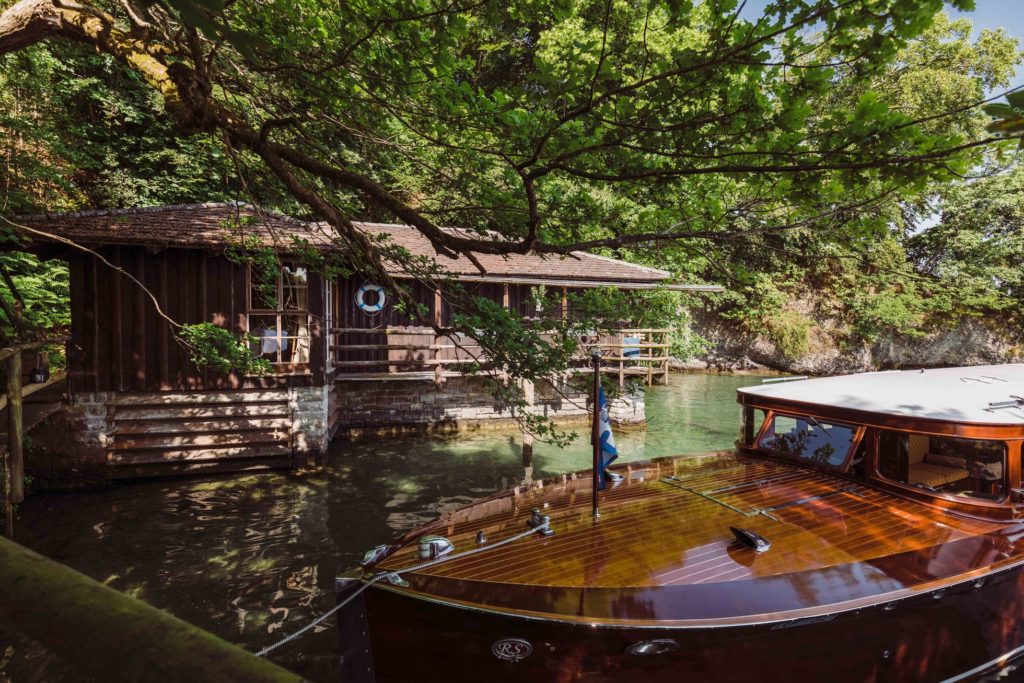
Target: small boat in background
x: 866, y: 527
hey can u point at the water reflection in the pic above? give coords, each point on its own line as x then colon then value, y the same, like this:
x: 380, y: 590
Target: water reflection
x: 251, y: 558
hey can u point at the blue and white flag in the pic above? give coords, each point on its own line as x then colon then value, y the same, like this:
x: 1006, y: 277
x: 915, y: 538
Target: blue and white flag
x: 608, y: 452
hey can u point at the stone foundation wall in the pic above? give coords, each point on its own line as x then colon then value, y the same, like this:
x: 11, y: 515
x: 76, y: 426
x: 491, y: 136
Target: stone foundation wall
x: 68, y: 449
x: 461, y: 402
x: 458, y: 402
x: 88, y: 415
x: 104, y: 436
x: 310, y: 413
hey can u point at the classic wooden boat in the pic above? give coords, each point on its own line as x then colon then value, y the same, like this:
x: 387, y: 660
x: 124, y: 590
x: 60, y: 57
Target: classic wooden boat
x: 866, y: 527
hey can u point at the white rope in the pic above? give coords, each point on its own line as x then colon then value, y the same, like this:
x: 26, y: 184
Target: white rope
x: 387, y: 575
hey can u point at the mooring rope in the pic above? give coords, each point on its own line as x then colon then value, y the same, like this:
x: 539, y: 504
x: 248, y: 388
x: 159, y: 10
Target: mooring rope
x: 395, y: 574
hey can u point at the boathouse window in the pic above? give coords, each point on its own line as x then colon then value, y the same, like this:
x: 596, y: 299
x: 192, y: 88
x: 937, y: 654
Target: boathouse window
x: 278, y: 315
x: 965, y: 467
x: 824, y: 443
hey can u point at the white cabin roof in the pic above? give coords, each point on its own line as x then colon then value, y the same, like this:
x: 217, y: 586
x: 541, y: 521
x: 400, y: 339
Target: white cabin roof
x: 951, y: 394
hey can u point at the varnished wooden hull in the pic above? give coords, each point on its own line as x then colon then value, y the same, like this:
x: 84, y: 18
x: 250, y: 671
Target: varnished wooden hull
x: 858, y: 584
x: 964, y: 630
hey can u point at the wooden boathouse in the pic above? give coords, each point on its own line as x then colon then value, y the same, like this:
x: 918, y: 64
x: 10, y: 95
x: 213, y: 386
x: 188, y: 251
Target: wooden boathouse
x: 343, y: 356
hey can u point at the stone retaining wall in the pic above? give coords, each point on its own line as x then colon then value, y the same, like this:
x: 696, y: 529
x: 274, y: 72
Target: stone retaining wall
x: 102, y: 436
x: 460, y: 402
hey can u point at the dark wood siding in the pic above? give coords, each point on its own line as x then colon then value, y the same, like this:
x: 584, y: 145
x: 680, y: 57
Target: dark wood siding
x: 520, y: 300
x: 120, y: 342
x: 350, y: 317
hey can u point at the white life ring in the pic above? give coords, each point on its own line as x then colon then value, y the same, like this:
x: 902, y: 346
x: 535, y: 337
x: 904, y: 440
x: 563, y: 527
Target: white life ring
x: 371, y: 308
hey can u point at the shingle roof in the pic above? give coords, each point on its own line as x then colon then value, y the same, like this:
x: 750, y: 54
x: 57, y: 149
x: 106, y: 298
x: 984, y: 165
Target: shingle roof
x: 578, y: 265
x: 217, y: 225
x: 182, y: 225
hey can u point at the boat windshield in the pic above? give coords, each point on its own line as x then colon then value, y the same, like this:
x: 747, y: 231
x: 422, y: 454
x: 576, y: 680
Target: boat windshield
x: 823, y: 443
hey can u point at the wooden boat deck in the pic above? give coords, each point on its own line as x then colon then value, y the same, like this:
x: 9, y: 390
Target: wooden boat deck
x: 666, y: 527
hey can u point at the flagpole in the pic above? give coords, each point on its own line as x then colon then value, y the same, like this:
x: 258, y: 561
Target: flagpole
x: 595, y: 431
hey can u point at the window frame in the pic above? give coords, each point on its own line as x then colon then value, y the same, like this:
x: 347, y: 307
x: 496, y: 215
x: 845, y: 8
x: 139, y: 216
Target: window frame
x: 875, y: 472
x: 280, y: 314
x: 843, y: 467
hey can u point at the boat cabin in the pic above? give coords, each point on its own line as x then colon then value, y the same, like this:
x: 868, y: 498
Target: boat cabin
x: 950, y: 437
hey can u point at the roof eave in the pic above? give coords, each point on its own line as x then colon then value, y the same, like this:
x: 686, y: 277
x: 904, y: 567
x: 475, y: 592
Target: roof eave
x: 571, y: 282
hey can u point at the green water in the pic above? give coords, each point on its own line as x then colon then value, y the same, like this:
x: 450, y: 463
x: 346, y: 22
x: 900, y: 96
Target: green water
x: 251, y: 558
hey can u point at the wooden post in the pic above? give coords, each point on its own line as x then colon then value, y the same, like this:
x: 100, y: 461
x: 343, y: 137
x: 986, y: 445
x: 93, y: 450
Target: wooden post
x: 8, y: 506
x: 595, y: 430
x: 621, y: 338
x: 438, y: 322
x: 529, y: 395
x: 650, y: 354
x: 527, y: 458
x: 13, y: 468
x: 665, y: 355
x: 13, y: 367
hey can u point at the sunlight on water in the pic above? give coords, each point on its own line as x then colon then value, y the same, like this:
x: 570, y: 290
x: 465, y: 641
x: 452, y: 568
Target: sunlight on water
x: 253, y: 557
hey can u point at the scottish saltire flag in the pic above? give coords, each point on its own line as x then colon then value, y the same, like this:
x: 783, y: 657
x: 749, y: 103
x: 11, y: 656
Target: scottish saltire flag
x: 608, y: 452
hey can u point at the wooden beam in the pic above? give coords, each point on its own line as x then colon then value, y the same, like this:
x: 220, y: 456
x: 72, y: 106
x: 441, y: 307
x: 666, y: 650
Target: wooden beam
x: 94, y: 274
x: 7, y: 503
x: 56, y: 377
x: 118, y: 317
x: 91, y: 625
x: 438, y: 321
x: 9, y: 351
x: 140, y: 375
x: 163, y: 346
x: 202, y: 263
x: 17, y: 468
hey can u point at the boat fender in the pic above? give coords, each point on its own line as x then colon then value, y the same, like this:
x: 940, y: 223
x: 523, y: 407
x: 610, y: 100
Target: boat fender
x: 373, y: 308
x: 749, y: 539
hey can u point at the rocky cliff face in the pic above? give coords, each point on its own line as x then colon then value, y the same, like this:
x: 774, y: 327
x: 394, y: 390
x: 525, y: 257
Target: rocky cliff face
x: 973, y: 342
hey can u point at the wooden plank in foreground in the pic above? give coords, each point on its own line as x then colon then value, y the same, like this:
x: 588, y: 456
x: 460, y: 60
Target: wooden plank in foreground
x: 109, y: 635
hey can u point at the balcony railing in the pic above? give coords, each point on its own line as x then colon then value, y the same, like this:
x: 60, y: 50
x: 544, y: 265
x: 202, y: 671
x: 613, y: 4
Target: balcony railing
x: 388, y: 353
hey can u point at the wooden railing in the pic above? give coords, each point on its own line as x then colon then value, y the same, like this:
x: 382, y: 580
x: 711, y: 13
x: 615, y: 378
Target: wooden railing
x: 419, y: 352
x: 12, y: 463
x: 400, y: 352
x: 636, y: 352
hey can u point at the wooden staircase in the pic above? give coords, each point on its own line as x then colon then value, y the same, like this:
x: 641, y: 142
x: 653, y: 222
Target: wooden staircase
x: 189, y: 433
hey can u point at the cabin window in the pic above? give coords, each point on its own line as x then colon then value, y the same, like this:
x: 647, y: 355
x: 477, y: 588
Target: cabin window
x: 943, y: 464
x: 278, y: 318
x: 804, y: 437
